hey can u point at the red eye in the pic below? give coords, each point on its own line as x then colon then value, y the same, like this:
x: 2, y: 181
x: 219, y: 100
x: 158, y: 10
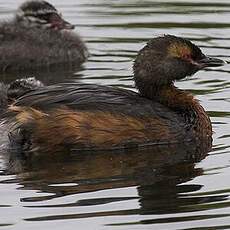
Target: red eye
x: 186, y: 56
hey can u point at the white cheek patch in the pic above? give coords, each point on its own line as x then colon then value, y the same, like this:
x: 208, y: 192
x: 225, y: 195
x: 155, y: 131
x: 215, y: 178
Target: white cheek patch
x: 31, y: 21
x: 47, y: 25
x: 19, y: 13
x: 35, y: 19
x: 22, y: 13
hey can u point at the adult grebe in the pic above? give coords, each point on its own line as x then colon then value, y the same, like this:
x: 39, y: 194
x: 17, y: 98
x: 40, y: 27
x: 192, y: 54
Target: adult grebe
x: 86, y: 116
x: 39, y: 37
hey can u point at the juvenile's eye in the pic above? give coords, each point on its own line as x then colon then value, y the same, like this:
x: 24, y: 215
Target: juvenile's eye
x: 45, y: 17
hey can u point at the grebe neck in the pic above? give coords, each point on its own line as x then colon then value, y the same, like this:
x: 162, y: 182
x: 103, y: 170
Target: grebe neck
x: 184, y: 104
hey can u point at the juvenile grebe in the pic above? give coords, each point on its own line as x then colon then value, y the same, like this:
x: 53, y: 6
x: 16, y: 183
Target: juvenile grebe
x: 38, y: 37
x: 10, y: 92
x: 21, y: 86
x: 72, y: 115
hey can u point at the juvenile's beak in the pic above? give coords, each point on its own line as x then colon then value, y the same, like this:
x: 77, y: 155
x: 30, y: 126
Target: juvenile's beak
x: 67, y: 25
x: 210, y: 62
x: 59, y: 23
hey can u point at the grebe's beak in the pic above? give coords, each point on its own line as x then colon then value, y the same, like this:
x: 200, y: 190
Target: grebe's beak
x: 59, y: 23
x: 210, y: 62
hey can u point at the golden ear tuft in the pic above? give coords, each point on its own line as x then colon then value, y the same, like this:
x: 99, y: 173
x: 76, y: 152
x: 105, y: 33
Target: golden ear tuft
x: 179, y: 50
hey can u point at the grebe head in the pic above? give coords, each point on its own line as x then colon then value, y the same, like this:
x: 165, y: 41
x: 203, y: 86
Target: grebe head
x: 168, y: 58
x: 41, y: 14
x: 21, y: 86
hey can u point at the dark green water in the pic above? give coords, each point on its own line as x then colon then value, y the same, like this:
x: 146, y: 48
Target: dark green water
x: 161, y: 188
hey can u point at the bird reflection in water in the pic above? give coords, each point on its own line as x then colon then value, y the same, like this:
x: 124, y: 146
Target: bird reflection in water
x: 157, y: 172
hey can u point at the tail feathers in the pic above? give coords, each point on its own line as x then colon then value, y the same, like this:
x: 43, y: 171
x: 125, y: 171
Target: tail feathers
x: 21, y: 122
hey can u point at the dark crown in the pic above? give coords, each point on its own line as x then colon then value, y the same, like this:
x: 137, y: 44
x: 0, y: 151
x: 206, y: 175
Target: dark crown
x: 35, y: 8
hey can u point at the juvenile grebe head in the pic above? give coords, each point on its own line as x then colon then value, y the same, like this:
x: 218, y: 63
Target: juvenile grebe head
x: 21, y: 86
x: 41, y: 14
x: 168, y: 58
